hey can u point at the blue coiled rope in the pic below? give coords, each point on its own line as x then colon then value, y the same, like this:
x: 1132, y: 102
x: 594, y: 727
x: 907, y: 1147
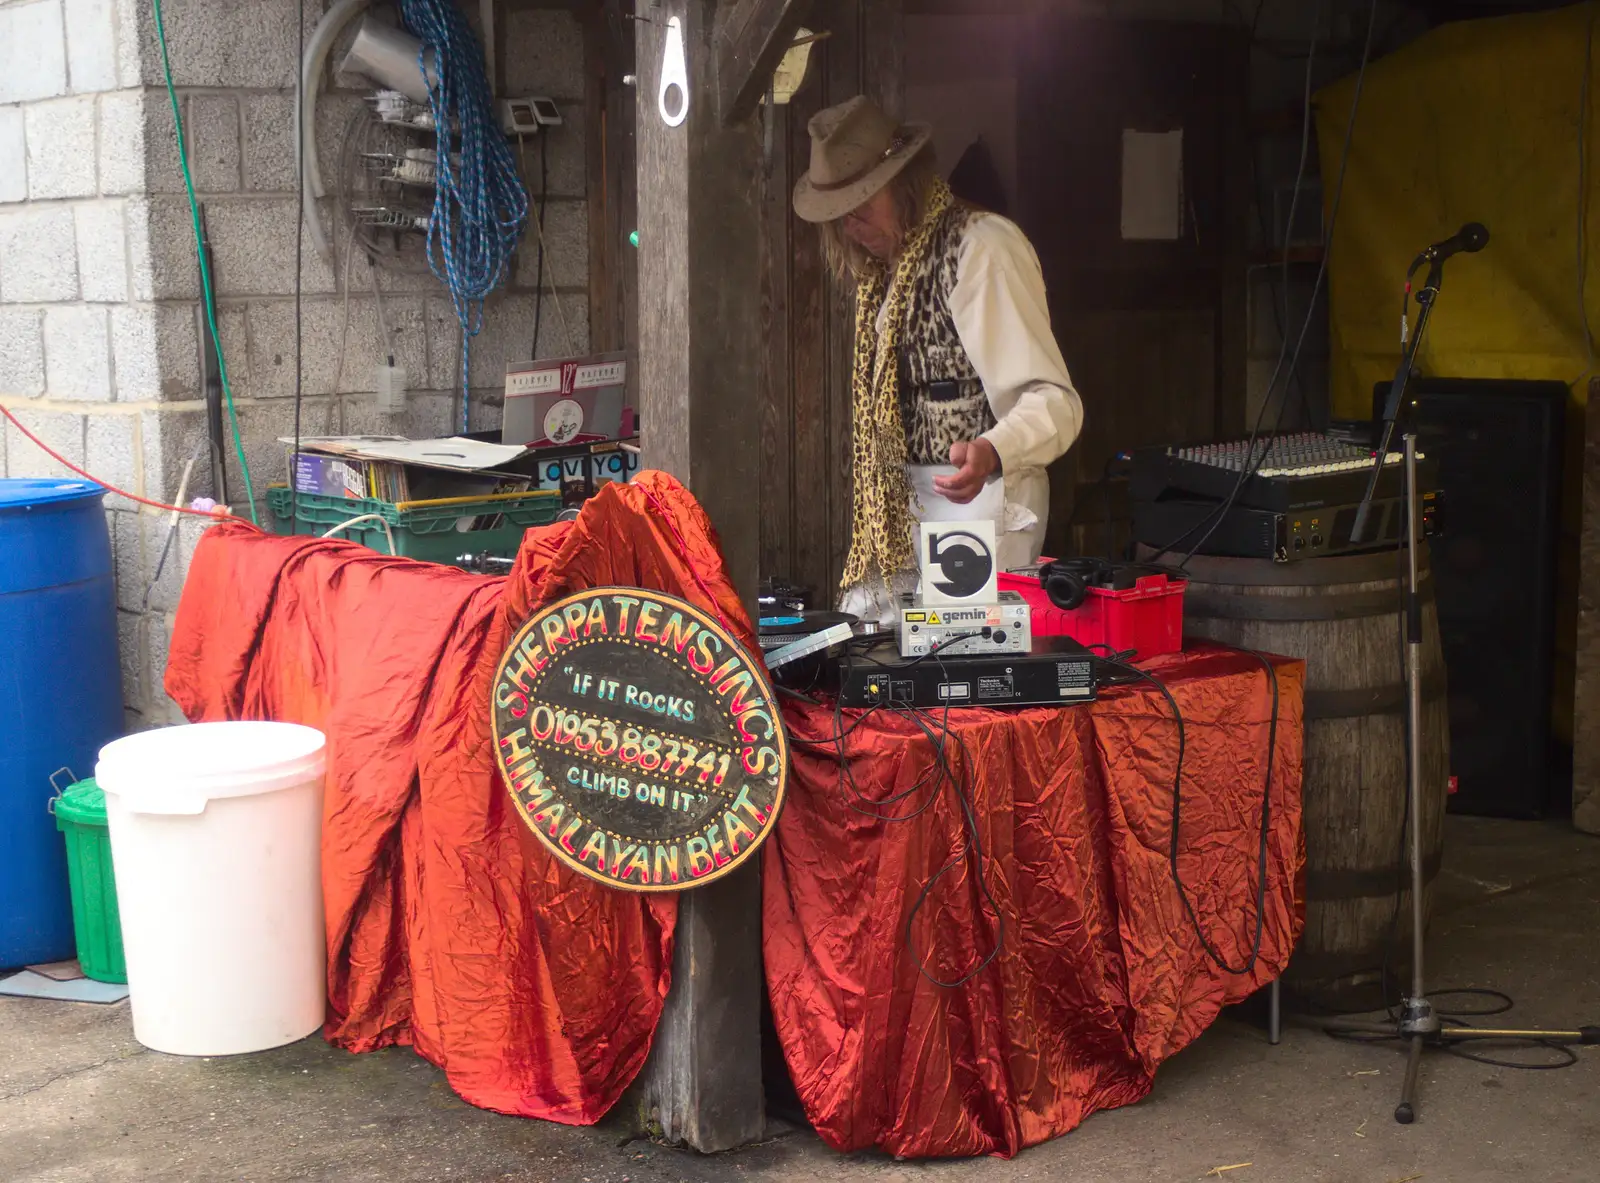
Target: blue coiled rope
x: 480, y: 204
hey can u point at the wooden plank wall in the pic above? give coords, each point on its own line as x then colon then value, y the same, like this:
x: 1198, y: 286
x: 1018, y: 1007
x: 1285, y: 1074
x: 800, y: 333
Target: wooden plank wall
x: 805, y: 390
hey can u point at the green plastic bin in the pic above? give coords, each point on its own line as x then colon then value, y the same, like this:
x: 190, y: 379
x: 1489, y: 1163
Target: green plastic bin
x: 81, y: 817
x: 434, y: 531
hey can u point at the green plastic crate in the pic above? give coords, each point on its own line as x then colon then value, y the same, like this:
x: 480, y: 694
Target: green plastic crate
x: 434, y: 531
x: 81, y: 817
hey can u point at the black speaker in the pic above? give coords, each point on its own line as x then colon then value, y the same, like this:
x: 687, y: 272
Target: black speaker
x: 1498, y: 444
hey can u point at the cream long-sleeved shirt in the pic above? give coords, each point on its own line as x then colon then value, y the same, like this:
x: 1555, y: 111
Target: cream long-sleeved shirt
x: 1003, y: 320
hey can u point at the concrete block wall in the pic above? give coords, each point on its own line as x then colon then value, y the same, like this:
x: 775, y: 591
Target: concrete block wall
x: 100, y: 313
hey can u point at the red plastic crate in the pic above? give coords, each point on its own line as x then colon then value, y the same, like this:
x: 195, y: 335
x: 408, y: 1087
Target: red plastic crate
x: 1147, y: 617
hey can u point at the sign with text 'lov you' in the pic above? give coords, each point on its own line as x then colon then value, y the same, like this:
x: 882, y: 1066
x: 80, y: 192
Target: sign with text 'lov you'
x: 639, y: 740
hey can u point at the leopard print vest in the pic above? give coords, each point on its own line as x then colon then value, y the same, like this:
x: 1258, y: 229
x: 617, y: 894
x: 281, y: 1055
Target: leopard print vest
x: 942, y: 400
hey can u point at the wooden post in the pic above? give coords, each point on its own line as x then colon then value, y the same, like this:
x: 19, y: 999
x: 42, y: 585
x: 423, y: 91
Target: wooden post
x: 700, y: 351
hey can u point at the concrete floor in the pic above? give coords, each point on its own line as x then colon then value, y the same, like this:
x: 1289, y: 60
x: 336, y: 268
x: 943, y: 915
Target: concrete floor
x: 80, y: 1100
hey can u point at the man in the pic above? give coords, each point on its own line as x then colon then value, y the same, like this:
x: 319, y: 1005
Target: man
x: 954, y: 364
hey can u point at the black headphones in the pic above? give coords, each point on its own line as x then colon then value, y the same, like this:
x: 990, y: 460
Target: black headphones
x: 965, y: 568
x: 1065, y: 587
x: 1067, y: 581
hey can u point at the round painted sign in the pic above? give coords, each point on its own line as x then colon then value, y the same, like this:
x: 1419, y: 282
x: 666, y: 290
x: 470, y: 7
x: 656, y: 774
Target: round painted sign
x: 563, y: 421
x: 638, y: 739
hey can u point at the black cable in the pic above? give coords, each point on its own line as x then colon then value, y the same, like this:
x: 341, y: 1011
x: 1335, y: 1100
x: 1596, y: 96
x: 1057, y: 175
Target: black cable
x: 1452, y: 1016
x: 1391, y: 940
x: 1456, y: 1045
x: 1294, y: 207
x: 1214, y: 518
x: 937, y: 649
x: 941, y: 772
x: 1177, y: 815
x: 1503, y: 1003
x: 299, y: 269
x: 1254, y: 457
x: 1569, y: 1057
x: 1255, y: 19
x: 538, y: 282
x: 788, y: 692
x: 1102, y: 488
x: 973, y: 845
x: 1254, y: 461
x: 1280, y: 316
x: 855, y: 798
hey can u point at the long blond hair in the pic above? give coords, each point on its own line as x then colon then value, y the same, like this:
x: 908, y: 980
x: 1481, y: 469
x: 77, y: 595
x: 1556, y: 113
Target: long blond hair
x: 850, y: 262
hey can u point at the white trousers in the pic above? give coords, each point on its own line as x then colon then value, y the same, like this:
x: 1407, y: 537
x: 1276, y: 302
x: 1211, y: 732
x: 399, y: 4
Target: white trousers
x: 1028, y: 490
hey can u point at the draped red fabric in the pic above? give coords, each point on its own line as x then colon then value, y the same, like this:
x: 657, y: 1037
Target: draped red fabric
x: 535, y: 989
x: 538, y: 991
x: 1100, y: 975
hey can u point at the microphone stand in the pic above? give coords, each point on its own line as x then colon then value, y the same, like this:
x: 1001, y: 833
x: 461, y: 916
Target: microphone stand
x: 1418, y: 1023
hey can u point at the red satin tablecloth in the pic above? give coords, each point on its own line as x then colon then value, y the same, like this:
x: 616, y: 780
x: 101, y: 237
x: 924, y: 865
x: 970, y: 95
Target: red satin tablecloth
x: 1100, y: 976
x: 451, y: 929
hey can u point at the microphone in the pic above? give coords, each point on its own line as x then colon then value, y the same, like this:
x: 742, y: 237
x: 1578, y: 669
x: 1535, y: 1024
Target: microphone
x: 1471, y: 238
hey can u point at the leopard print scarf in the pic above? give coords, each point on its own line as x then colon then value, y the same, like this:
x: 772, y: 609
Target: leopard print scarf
x: 881, y: 522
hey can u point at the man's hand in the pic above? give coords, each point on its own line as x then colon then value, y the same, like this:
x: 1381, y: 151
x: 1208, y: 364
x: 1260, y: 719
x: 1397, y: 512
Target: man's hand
x: 977, y: 461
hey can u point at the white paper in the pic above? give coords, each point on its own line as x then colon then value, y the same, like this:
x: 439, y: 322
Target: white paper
x: 1152, y: 185
x: 454, y: 453
x: 930, y: 505
x: 340, y: 445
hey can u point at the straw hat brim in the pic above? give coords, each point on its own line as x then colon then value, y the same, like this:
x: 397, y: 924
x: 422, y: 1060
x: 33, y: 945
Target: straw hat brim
x: 814, y: 204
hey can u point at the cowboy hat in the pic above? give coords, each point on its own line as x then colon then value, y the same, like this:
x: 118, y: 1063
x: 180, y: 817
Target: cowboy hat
x: 855, y: 150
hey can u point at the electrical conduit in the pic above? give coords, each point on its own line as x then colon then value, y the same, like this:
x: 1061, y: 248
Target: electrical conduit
x: 305, y: 114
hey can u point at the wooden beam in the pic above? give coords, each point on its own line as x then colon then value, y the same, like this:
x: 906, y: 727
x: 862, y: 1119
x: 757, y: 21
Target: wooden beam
x: 751, y: 40
x: 700, y: 368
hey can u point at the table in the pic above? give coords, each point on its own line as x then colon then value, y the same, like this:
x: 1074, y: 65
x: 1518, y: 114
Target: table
x: 1100, y: 976
x: 538, y: 991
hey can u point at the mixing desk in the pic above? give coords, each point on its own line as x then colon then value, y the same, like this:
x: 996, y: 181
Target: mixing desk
x: 1296, y: 472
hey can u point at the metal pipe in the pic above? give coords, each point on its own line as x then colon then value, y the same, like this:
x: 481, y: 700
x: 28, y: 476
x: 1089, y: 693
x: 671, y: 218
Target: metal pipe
x: 1406, y: 1112
x: 389, y: 56
x: 308, y: 168
x: 1419, y: 990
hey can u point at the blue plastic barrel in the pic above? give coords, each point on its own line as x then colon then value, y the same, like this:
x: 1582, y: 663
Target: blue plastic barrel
x: 60, y: 694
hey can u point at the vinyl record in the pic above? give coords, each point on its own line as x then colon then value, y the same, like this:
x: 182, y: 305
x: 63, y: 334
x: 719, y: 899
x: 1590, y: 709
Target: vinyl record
x: 782, y: 629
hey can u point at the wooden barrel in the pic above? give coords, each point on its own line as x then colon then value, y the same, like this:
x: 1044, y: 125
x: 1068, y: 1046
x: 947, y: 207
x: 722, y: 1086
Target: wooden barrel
x: 1342, y: 616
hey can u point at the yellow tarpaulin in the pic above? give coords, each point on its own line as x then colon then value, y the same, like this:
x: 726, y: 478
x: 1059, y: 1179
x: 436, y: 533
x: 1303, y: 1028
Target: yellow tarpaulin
x: 1474, y: 122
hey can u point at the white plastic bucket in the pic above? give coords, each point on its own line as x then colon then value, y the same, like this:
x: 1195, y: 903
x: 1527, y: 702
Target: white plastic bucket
x: 216, y: 835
